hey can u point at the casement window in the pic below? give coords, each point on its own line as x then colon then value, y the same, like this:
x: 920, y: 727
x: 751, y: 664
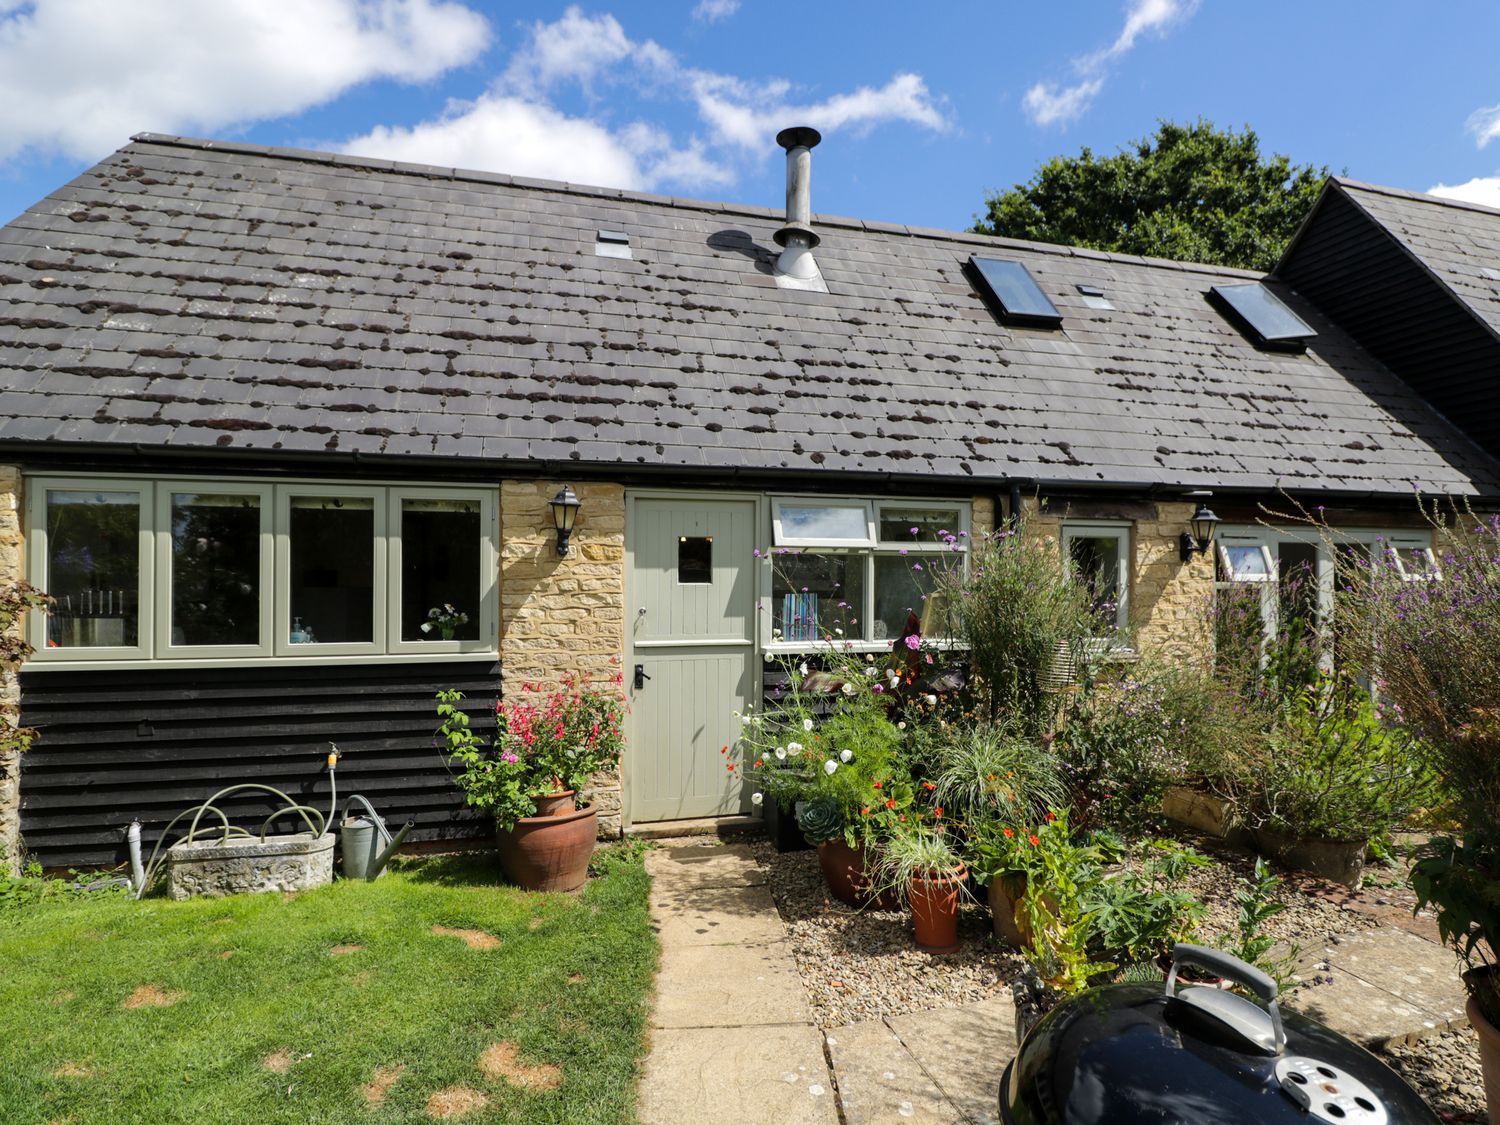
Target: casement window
x: 189, y: 570
x: 858, y: 570
x: 1097, y: 556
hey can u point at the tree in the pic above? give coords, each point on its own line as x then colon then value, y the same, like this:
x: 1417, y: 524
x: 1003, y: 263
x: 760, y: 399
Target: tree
x: 1191, y: 192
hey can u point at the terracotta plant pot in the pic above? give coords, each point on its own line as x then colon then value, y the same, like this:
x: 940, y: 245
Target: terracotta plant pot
x: 550, y: 853
x: 846, y: 871
x: 1489, y: 1048
x: 934, y: 908
x: 1006, y: 893
x: 560, y: 803
x: 1342, y: 861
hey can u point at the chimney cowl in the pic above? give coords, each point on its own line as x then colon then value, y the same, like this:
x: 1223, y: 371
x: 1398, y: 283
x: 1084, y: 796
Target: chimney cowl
x: 799, y: 141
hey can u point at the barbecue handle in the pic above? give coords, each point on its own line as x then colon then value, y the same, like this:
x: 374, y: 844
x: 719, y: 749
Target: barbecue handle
x: 1227, y: 966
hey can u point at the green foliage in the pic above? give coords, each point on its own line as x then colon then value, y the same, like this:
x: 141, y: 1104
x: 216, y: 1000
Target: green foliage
x: 569, y: 986
x: 1025, y: 622
x: 1062, y: 928
x: 915, y: 848
x: 1255, y: 899
x: 1459, y: 880
x: 1334, y: 770
x: 545, y: 742
x: 1142, y: 910
x: 16, y: 600
x: 1192, y: 193
x: 986, y: 773
x: 821, y: 819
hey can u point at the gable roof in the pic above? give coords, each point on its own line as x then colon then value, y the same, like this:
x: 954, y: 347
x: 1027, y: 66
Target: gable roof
x: 224, y: 297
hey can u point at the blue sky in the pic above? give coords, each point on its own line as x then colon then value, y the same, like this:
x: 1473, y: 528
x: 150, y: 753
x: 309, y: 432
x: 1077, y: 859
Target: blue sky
x: 924, y: 107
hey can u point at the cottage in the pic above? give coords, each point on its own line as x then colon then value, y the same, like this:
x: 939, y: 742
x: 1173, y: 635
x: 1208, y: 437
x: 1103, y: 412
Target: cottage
x: 263, y: 411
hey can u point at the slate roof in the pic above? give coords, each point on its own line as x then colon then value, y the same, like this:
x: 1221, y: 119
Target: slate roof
x: 205, y: 295
x: 1456, y: 240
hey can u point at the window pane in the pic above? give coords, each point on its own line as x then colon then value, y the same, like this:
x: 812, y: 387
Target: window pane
x: 1095, y: 564
x: 441, y: 561
x: 332, y: 570
x: 923, y: 525
x: 813, y: 595
x: 215, y: 569
x: 900, y: 583
x: 831, y: 524
x: 695, y: 560
x: 93, y: 569
x: 1246, y: 564
x: 1297, y: 586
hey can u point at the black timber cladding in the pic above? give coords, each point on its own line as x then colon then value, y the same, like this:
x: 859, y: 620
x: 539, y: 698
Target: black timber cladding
x: 145, y: 744
x: 207, y: 298
x: 1361, y: 276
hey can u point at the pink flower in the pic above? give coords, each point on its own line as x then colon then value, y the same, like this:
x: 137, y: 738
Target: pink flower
x: 914, y: 642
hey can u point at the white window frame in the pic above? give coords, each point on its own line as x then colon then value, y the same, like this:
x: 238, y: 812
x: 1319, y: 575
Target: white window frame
x: 163, y: 646
x: 154, y: 570
x: 489, y: 571
x: 780, y: 539
x: 1120, y: 531
x: 963, y: 509
x: 37, y: 489
x: 379, y: 550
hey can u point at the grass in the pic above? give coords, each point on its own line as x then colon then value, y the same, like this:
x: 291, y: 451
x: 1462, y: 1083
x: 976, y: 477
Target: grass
x: 256, y: 978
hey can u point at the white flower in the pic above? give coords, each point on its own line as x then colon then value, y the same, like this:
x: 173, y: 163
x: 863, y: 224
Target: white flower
x: 802, y: 668
x: 869, y: 658
x: 848, y: 688
x: 794, y: 747
x: 830, y: 766
x: 781, y: 753
x: 807, y: 724
x: 869, y: 671
x: 892, y: 675
x: 837, y: 630
x: 932, y: 701
x: 900, y: 726
x: 846, y: 756
x: 757, y: 798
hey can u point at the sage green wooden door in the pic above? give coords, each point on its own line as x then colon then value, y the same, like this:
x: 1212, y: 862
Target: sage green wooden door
x: 692, y: 633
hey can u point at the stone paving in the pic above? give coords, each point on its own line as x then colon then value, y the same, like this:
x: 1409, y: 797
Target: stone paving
x: 733, y: 1038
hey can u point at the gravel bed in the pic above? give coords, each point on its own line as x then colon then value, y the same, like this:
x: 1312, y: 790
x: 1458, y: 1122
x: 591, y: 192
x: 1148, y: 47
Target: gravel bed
x: 1444, y: 1069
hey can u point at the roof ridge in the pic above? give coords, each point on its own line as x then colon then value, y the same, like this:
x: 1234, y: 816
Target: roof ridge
x: 1418, y: 196
x: 872, y: 226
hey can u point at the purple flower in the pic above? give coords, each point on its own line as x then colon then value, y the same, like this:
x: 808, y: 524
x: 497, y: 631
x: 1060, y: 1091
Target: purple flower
x: 878, y: 688
x: 916, y: 531
x: 903, y: 550
x: 916, y: 566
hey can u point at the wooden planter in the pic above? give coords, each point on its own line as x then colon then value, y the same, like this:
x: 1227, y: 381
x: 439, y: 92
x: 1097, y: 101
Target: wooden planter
x: 550, y: 853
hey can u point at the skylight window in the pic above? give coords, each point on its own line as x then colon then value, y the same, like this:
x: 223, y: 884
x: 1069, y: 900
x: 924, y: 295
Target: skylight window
x: 1010, y: 287
x: 1270, y: 322
x: 612, y: 244
x: 1094, y: 297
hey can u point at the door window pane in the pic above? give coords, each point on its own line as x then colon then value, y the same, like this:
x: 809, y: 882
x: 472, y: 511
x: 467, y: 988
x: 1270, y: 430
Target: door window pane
x: 814, y: 595
x: 695, y: 560
x: 93, y: 569
x: 901, y: 582
x: 332, y: 542
x: 1094, y: 561
x: 215, y: 569
x: 441, y: 558
x: 922, y: 525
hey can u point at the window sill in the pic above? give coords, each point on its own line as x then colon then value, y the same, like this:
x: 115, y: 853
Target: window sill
x: 799, y: 648
x: 57, y: 665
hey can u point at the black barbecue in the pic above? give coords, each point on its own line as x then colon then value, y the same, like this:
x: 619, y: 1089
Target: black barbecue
x: 1129, y: 1054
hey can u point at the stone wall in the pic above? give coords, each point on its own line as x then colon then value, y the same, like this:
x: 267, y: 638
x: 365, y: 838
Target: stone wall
x: 564, y: 615
x: 11, y: 570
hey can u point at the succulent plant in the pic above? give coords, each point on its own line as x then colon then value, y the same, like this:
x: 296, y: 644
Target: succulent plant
x: 820, y: 820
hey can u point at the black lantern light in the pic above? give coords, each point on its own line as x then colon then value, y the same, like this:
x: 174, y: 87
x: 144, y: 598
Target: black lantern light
x: 1201, y: 537
x: 565, y: 507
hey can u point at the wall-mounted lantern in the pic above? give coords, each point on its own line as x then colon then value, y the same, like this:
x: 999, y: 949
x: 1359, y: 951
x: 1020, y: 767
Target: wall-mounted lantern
x: 565, y: 507
x: 1201, y: 536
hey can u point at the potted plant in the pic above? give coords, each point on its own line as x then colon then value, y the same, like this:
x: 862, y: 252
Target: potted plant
x: 1334, y: 776
x: 547, y: 745
x: 920, y: 864
x: 445, y: 620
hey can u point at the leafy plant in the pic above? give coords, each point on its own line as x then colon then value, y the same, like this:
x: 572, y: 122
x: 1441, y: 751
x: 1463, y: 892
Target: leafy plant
x: 1256, y: 901
x: 446, y: 620
x: 1459, y: 880
x: 1143, y: 909
x: 985, y: 772
x: 16, y: 600
x: 1062, y: 927
x: 912, y: 850
x: 821, y: 820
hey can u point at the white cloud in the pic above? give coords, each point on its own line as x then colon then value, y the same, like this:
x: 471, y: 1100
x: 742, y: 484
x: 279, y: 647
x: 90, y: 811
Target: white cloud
x: 1049, y: 103
x: 517, y: 127
x: 712, y: 11
x: 1481, y: 189
x: 1484, y: 123
x: 78, y: 77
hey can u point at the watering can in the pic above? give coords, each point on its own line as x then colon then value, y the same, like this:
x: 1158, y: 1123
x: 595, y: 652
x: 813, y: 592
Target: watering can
x: 366, y: 843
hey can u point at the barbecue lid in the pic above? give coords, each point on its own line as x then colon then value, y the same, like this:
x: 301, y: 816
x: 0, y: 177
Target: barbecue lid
x: 1138, y: 1053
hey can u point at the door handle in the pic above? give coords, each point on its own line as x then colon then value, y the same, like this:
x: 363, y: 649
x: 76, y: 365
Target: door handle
x: 640, y: 676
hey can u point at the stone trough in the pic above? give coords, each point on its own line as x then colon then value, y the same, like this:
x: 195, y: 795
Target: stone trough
x: 213, y: 868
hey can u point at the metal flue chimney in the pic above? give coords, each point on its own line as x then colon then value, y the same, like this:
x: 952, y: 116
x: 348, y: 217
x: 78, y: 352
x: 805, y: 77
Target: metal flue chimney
x: 796, y: 267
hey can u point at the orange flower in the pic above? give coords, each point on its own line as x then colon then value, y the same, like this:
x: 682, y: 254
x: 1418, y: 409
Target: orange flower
x: 730, y: 767
x: 1051, y: 817
x: 1033, y: 839
x: 929, y: 786
x: 759, y: 762
x: 903, y: 816
x: 877, y: 785
x: 865, y: 811
x: 724, y: 751
x: 890, y: 802
x: 1009, y: 834
x: 938, y: 812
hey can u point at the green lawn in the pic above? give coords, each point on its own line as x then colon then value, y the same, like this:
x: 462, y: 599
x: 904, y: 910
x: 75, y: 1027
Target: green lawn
x: 256, y: 977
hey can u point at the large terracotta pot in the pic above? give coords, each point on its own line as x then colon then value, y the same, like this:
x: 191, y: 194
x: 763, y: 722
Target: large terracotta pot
x: 560, y: 803
x: 1006, y: 893
x: 846, y: 871
x: 550, y: 853
x: 934, y: 908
